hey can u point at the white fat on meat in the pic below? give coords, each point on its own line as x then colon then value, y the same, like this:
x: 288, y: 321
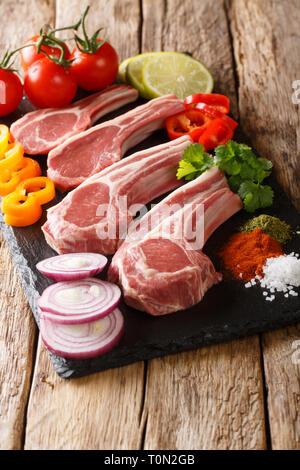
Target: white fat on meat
x: 163, y: 272
x: 44, y: 129
x: 76, y: 224
x: 89, y: 152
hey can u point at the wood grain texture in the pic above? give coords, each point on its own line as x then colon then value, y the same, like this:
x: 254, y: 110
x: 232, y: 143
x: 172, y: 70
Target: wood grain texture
x: 281, y: 353
x: 122, y: 20
x: 206, y: 399
x: 17, y: 334
x: 267, y: 53
x: 211, y: 398
x: 101, y: 411
x: 17, y: 326
x: 23, y: 20
x: 266, y: 44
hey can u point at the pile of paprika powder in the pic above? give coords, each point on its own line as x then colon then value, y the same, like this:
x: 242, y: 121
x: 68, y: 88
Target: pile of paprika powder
x: 244, y: 254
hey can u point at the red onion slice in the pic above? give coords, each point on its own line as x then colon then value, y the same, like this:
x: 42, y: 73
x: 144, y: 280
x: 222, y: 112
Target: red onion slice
x: 81, y: 301
x: 72, y: 266
x: 85, y: 340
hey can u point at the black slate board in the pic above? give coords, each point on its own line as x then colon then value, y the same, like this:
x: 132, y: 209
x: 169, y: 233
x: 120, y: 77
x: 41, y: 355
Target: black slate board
x: 228, y: 310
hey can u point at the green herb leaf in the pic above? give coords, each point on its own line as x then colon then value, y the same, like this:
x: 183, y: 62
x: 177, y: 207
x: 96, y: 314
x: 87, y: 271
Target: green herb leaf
x: 235, y: 182
x: 186, y: 170
x: 194, y: 162
x: 255, y: 195
x: 245, y: 172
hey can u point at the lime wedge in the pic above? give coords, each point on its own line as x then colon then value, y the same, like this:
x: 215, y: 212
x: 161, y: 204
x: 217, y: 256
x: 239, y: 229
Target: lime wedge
x: 178, y: 73
x: 123, y: 69
x: 134, y: 71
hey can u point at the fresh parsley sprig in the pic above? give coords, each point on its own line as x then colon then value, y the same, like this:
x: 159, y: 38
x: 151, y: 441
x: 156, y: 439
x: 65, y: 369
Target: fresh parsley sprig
x: 245, y: 172
x: 194, y: 162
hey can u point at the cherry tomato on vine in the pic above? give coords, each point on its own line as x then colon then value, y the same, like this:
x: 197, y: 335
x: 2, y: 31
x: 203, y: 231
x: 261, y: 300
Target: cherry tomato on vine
x: 11, y: 91
x: 95, y: 70
x: 29, y: 54
x: 49, y: 85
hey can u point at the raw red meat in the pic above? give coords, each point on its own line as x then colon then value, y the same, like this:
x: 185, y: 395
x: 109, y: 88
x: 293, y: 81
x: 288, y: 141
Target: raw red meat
x: 91, y: 151
x: 77, y: 223
x: 42, y: 130
x: 166, y: 271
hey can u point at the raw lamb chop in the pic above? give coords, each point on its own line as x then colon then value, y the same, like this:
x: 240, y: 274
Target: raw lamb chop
x: 42, y: 130
x: 91, y: 151
x: 95, y: 216
x: 164, y: 272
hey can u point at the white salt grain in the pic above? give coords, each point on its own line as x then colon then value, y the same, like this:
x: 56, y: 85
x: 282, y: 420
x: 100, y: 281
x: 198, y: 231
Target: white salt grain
x: 282, y: 272
x: 292, y: 292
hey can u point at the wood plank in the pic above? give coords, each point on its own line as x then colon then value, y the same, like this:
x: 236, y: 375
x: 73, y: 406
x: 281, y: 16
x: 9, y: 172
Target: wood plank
x: 122, y: 20
x: 24, y: 20
x: 17, y: 326
x: 267, y: 53
x: 281, y: 352
x: 100, y: 411
x: 266, y: 44
x: 17, y: 334
x: 211, y: 398
x: 206, y: 399
x: 103, y: 410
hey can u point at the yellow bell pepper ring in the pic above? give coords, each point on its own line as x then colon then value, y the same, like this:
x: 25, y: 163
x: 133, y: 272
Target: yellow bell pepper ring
x: 24, y: 220
x: 41, y: 187
x: 4, y: 138
x: 20, y: 205
x: 12, y: 157
x: 9, y: 180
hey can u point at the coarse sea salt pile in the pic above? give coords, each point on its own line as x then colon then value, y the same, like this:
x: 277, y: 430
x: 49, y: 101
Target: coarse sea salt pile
x: 280, y: 274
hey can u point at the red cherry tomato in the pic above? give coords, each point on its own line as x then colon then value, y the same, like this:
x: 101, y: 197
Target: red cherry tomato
x: 11, y: 91
x: 30, y: 55
x: 49, y: 85
x: 94, y: 71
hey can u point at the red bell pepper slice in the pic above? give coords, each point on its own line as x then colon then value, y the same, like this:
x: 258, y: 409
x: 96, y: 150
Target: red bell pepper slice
x: 217, y: 133
x: 192, y: 122
x: 209, y: 110
x: 215, y: 114
x: 219, y: 102
x: 231, y: 122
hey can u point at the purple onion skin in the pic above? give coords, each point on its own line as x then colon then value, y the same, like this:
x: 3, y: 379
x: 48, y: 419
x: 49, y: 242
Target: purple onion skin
x: 72, y: 276
x: 87, y: 354
x: 72, y: 320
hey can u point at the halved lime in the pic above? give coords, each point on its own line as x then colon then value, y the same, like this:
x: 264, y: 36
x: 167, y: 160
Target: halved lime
x: 123, y: 69
x: 178, y: 73
x: 134, y: 71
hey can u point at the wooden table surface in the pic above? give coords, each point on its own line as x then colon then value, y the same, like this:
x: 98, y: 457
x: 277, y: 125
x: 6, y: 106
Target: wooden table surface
x: 241, y: 395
